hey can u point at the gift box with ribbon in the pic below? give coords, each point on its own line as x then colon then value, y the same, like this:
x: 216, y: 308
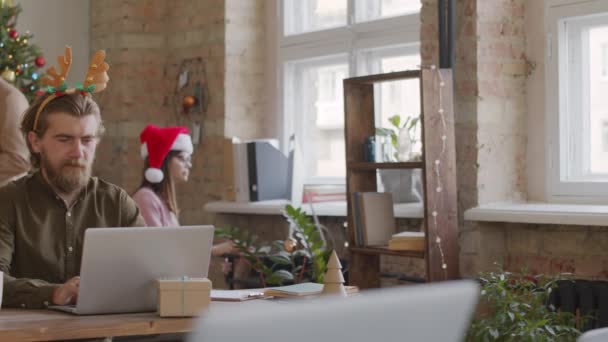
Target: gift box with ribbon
x: 183, y: 297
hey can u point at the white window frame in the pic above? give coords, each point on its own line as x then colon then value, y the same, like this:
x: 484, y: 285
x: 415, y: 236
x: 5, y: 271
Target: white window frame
x: 383, y: 32
x: 559, y: 118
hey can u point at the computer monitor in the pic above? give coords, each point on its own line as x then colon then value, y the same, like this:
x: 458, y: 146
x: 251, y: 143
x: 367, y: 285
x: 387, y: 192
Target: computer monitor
x: 430, y: 312
x: 120, y: 265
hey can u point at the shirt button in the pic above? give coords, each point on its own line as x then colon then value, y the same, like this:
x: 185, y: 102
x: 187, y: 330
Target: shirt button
x: 69, y: 213
x: 70, y: 249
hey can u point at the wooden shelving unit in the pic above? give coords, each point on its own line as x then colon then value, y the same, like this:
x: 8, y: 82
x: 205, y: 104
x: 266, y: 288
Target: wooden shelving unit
x: 367, y: 166
x: 439, y: 178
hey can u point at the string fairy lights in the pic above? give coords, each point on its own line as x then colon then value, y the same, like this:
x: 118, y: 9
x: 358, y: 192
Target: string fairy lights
x: 437, y: 167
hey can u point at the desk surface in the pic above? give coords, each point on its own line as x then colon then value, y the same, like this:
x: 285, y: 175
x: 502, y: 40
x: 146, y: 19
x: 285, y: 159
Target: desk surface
x: 37, y: 325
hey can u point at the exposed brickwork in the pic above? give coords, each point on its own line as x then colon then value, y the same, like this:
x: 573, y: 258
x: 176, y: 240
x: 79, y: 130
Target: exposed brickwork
x: 490, y: 76
x: 146, y: 40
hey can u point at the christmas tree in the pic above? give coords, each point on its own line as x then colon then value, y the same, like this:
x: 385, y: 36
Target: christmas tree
x: 19, y: 60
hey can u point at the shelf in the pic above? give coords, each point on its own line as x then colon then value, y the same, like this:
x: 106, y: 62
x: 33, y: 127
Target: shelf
x: 392, y: 76
x: 540, y: 213
x: 368, y: 166
x: 383, y: 250
x: 275, y: 207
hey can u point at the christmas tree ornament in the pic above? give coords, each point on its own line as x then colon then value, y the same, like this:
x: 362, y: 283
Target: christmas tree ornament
x: 13, y: 33
x: 40, y: 61
x: 289, y: 245
x: 8, y: 75
x: 333, y: 279
x: 188, y: 102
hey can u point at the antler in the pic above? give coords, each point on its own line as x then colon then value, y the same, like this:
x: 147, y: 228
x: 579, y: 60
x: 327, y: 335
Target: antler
x: 55, y: 79
x: 97, y: 74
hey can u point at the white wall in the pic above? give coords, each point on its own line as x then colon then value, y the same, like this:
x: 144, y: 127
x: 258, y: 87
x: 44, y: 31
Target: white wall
x: 55, y: 24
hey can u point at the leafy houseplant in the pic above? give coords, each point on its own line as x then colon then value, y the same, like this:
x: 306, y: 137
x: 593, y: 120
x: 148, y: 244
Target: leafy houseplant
x: 405, y: 185
x: 301, y: 257
x: 516, y: 309
x: 409, y: 125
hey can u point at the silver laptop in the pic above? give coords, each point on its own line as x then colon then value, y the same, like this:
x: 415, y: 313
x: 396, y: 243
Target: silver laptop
x: 431, y: 312
x: 120, y: 265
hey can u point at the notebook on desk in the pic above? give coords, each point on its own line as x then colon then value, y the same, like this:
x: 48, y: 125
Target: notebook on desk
x: 120, y: 265
x: 301, y: 290
x: 237, y: 295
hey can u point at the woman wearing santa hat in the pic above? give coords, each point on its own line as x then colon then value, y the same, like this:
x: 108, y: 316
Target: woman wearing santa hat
x: 167, y: 153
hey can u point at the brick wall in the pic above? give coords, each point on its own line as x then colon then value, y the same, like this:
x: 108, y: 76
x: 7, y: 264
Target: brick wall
x: 146, y: 41
x: 499, y: 86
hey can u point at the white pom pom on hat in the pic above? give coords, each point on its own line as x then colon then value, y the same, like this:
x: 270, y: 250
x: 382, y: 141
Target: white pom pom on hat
x: 154, y: 175
x: 156, y: 142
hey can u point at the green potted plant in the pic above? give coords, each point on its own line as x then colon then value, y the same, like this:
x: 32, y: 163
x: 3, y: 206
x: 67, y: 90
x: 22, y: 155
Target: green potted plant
x: 514, y: 307
x: 405, y: 185
x: 402, y: 137
x: 300, y: 258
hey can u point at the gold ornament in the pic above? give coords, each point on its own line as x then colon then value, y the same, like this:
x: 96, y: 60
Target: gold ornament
x: 289, y: 245
x: 8, y: 75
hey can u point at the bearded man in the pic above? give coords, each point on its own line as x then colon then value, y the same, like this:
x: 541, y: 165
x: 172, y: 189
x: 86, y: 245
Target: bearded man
x: 43, y: 215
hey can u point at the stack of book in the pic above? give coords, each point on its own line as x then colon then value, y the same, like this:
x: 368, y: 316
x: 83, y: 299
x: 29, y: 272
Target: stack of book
x: 374, y: 218
x: 301, y: 290
x: 407, y: 241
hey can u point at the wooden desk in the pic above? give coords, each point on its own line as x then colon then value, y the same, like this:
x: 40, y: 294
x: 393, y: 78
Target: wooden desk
x: 44, y: 325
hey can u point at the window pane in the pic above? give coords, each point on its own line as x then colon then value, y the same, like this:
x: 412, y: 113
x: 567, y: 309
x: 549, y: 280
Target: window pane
x: 598, y: 101
x: 375, y: 9
x: 302, y: 16
x: 401, y: 98
x: 314, y: 102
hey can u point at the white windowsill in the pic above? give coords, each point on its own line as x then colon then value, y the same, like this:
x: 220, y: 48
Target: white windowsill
x: 540, y: 213
x: 275, y: 207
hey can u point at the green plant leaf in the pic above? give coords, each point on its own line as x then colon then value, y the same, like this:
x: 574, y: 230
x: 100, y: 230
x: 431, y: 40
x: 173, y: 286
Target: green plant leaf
x: 302, y: 253
x: 395, y: 120
x: 494, y: 333
x: 279, y: 277
x: 384, y: 132
x: 280, y: 259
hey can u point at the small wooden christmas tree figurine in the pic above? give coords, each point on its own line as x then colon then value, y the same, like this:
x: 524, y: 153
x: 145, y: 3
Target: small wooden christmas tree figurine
x: 333, y: 279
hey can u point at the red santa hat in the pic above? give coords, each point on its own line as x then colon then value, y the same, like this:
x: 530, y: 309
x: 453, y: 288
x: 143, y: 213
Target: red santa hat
x: 156, y: 142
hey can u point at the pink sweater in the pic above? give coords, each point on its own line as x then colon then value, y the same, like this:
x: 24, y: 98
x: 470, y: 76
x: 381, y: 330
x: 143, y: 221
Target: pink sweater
x: 153, y: 209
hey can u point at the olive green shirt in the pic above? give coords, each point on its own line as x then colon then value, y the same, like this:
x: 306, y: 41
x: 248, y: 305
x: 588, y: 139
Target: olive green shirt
x: 41, y: 238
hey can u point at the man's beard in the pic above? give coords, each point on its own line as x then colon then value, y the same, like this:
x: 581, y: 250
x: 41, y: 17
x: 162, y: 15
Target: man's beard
x: 70, y: 176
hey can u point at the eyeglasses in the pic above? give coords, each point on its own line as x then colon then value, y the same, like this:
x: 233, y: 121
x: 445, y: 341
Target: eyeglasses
x: 184, y: 160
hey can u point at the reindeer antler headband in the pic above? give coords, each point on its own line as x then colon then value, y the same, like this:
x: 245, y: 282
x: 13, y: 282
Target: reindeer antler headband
x: 95, y: 80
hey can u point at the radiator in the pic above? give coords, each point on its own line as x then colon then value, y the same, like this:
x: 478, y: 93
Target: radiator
x: 584, y: 298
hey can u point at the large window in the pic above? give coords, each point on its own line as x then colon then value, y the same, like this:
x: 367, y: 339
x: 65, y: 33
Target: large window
x: 577, y: 79
x: 323, y: 42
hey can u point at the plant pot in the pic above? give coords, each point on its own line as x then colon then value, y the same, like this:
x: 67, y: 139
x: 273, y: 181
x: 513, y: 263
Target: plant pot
x: 405, y: 185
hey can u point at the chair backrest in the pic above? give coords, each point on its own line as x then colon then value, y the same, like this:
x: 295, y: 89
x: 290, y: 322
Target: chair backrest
x: 430, y: 312
x: 596, y: 335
